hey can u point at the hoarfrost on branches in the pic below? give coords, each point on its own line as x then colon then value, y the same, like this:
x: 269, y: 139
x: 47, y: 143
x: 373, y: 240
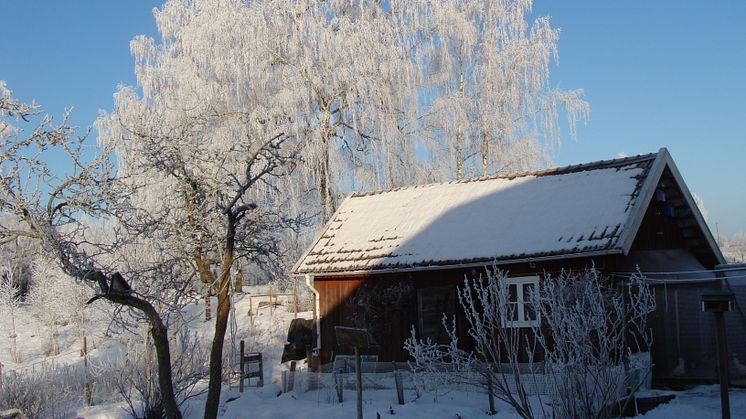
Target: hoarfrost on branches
x: 206, y: 146
x: 10, y: 301
x: 484, y: 70
x: 595, y: 341
x: 57, y: 209
x: 585, y: 353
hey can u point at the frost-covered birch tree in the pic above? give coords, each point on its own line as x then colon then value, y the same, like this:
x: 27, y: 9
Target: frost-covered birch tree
x: 204, y: 141
x: 486, y: 99
x: 354, y: 89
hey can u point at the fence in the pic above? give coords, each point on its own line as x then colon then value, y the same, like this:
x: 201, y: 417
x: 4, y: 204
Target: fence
x: 401, y: 385
x: 684, y: 343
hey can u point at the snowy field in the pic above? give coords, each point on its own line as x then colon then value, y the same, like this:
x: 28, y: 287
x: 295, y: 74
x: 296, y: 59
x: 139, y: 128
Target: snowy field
x: 266, y: 332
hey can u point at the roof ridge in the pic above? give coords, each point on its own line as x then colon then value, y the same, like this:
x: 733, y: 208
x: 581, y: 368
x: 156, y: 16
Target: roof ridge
x: 621, y: 161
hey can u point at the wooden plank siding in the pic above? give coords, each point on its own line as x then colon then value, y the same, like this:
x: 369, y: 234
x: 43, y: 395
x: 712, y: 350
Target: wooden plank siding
x: 340, y: 303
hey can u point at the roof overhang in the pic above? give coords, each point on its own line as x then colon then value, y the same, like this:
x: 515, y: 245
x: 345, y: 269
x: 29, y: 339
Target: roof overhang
x: 448, y: 266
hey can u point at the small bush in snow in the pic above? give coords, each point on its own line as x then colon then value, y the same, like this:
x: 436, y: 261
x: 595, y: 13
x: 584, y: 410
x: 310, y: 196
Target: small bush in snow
x: 42, y: 392
x: 589, y: 332
x: 594, y: 334
x: 10, y: 301
x: 134, y: 377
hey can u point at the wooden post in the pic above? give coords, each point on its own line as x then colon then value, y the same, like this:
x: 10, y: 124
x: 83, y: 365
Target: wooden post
x: 260, y: 383
x: 490, y: 394
x: 240, y: 356
x: 338, y: 385
x: 291, y: 380
x: 359, y: 383
x: 271, y: 306
x: 295, y: 296
x: 718, y: 303
x: 399, y: 385
x: 722, y: 364
x: 87, y: 392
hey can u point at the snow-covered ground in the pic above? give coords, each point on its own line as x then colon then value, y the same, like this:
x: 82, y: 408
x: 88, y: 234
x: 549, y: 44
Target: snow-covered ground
x: 266, y: 332
x: 268, y: 402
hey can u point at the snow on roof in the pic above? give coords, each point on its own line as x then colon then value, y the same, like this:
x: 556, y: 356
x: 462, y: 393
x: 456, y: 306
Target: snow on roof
x: 570, y: 210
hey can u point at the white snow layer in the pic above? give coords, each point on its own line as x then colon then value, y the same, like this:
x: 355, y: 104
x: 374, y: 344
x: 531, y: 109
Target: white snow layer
x: 478, y: 220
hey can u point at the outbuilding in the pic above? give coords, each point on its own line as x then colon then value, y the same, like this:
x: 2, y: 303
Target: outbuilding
x: 391, y: 260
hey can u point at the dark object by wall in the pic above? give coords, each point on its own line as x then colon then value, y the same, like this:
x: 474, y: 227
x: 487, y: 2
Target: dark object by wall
x: 300, y: 335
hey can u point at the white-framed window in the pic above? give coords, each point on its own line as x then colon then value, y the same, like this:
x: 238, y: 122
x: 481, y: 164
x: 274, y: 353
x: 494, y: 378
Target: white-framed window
x: 520, y: 312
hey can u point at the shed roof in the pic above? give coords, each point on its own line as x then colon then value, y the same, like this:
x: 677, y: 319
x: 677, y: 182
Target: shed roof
x: 581, y: 210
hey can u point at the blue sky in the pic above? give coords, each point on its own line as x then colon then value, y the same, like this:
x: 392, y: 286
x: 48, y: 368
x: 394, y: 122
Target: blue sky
x: 656, y: 73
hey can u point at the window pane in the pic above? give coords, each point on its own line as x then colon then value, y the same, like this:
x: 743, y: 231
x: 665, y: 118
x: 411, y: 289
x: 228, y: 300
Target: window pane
x: 512, y: 293
x: 433, y: 303
x: 529, y: 312
x: 527, y: 290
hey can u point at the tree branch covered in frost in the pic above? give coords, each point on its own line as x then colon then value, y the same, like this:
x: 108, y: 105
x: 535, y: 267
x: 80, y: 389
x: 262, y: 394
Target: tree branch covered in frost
x: 594, y: 329
x: 489, y: 312
x: 375, y: 95
x: 497, y: 348
x: 484, y: 70
x: 10, y: 301
x: 206, y: 145
x: 590, y: 334
x: 46, y: 391
x: 134, y: 376
x: 435, y: 365
x: 57, y: 208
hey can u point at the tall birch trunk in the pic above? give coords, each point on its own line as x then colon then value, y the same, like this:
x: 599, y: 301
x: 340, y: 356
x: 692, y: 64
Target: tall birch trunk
x: 322, y: 171
x: 460, y: 126
x: 485, y: 151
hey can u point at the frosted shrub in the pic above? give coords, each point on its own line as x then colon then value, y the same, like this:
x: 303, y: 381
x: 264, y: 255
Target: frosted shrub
x: 435, y: 365
x: 42, y: 392
x: 589, y: 334
x: 594, y: 333
x: 493, y: 365
x: 55, y: 300
x: 10, y: 302
x: 135, y: 376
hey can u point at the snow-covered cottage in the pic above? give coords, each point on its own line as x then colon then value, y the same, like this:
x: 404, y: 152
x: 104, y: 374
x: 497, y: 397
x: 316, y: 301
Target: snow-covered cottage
x: 391, y: 260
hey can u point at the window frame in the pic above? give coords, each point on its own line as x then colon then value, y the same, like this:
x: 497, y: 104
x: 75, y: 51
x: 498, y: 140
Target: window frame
x: 521, y: 301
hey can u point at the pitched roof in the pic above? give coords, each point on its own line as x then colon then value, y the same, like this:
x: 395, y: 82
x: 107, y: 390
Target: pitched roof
x: 582, y: 210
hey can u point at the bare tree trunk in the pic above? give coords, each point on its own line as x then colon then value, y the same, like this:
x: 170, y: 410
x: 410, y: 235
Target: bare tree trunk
x: 159, y: 332
x: 160, y: 339
x: 148, y: 364
x: 459, y: 157
x: 206, y: 276
x: 221, y: 323
x: 485, y: 151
